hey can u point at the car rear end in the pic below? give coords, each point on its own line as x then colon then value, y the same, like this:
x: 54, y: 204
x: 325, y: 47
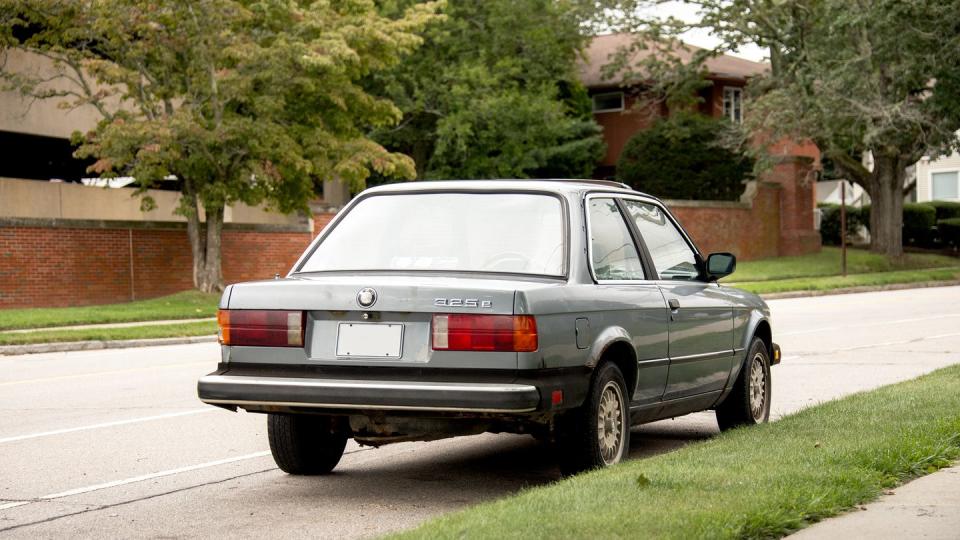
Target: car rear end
x: 405, y: 320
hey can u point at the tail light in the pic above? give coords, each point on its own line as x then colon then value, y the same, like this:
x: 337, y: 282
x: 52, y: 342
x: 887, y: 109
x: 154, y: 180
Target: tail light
x: 261, y: 328
x: 466, y: 332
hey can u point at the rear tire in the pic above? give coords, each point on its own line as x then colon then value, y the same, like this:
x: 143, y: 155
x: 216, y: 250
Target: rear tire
x: 597, y: 434
x: 749, y: 401
x: 305, y: 445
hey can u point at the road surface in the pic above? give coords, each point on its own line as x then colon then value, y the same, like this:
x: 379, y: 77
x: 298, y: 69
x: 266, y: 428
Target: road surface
x: 115, y: 443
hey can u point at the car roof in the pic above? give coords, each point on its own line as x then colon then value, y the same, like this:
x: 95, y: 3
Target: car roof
x: 556, y: 185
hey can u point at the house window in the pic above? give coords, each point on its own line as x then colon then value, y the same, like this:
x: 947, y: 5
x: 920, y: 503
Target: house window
x: 733, y: 103
x: 609, y: 102
x: 946, y: 185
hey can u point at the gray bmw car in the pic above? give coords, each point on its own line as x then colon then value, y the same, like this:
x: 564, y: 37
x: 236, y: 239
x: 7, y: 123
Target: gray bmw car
x: 568, y: 310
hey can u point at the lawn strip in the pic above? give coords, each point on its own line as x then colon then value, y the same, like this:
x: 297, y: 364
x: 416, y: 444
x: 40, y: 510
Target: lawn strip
x: 109, y: 334
x: 759, y: 482
x: 852, y: 280
x: 184, y: 305
x: 827, y: 263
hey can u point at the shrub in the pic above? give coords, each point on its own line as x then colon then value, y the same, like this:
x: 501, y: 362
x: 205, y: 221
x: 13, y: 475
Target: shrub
x: 945, y: 209
x: 950, y: 231
x: 684, y: 156
x: 830, y: 222
x: 919, y: 224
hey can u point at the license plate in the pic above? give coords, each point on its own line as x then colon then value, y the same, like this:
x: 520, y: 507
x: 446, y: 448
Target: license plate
x: 370, y: 340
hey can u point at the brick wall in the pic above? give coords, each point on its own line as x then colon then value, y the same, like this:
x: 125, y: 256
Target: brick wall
x: 748, y: 230
x: 72, y: 266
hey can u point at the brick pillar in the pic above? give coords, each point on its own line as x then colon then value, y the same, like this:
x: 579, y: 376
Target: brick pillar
x: 798, y: 199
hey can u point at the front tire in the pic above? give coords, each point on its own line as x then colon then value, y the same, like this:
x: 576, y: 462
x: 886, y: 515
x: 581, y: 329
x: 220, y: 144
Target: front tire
x: 305, y: 445
x: 597, y: 434
x: 749, y: 400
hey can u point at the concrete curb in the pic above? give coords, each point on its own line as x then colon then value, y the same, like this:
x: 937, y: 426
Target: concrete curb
x: 861, y: 289
x: 66, y: 346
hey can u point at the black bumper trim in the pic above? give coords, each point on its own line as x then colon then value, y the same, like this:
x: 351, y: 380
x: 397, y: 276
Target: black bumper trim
x: 242, y: 391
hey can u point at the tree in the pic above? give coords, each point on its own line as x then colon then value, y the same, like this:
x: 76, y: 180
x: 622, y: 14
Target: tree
x: 876, y: 78
x: 686, y: 156
x: 493, y: 92
x: 240, y: 101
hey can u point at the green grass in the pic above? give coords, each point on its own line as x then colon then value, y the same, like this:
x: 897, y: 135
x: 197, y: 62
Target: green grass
x: 184, y: 305
x: 760, y: 482
x: 205, y: 328
x: 853, y: 280
x: 827, y: 263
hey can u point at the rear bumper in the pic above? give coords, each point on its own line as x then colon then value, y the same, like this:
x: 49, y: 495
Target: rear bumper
x: 261, y: 391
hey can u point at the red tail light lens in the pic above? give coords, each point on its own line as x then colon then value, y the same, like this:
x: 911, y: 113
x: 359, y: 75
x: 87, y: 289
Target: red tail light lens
x: 465, y: 332
x: 261, y: 328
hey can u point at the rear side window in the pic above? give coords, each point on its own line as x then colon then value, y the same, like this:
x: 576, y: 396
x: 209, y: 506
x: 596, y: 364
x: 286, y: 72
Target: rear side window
x: 672, y: 256
x: 613, y: 252
x: 460, y: 232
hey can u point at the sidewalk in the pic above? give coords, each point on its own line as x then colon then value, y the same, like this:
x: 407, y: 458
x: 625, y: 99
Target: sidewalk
x: 928, y: 507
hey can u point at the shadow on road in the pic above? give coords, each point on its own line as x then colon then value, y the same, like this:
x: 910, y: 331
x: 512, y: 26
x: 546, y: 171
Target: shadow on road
x: 443, y: 475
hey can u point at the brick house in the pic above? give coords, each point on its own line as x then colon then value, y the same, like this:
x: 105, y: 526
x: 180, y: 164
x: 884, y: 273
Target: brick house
x: 775, y: 214
x: 614, y: 104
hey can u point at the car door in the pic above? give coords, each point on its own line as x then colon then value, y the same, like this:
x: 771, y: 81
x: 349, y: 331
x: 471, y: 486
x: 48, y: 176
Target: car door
x: 701, y: 314
x: 625, y: 297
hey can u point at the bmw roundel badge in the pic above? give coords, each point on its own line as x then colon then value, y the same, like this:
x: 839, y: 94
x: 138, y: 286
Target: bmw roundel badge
x: 367, y: 297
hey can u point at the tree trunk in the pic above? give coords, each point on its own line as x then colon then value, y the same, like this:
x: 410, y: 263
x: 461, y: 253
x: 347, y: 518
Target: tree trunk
x: 886, y: 207
x: 211, y: 275
x: 204, y: 241
x: 195, y: 231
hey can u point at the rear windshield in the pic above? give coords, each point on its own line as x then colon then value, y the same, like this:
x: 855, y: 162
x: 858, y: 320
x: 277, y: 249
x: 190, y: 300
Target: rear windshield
x: 465, y: 232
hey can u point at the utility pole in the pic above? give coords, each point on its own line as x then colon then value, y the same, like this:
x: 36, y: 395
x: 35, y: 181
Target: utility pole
x: 843, y: 227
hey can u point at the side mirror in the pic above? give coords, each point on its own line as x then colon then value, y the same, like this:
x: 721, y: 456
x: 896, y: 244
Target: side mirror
x: 720, y: 265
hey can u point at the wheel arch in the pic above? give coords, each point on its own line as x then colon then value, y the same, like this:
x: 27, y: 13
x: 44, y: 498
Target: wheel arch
x: 763, y: 331
x: 758, y: 328
x: 614, y: 345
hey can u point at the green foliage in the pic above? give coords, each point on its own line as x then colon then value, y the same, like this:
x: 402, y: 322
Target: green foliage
x: 686, y: 156
x: 830, y: 222
x: 879, y: 77
x: 493, y: 92
x: 949, y: 230
x: 919, y: 224
x: 945, y: 209
x: 240, y: 100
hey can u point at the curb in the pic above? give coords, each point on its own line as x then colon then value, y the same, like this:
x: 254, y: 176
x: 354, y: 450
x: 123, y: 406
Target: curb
x: 861, y: 289
x: 67, y: 346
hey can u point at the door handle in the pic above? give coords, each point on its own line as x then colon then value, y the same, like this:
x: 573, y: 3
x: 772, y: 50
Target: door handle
x: 674, y: 304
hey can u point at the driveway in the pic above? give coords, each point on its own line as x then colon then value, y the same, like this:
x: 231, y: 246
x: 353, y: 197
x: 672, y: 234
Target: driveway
x: 114, y: 443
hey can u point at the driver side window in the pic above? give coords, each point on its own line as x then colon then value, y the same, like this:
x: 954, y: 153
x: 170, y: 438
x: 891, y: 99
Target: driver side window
x: 672, y: 256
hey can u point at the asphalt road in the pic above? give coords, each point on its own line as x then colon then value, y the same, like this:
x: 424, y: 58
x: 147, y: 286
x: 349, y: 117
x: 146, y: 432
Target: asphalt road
x: 115, y: 444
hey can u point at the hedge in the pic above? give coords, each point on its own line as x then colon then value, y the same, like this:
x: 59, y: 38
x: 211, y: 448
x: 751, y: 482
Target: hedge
x: 945, y: 209
x: 830, y: 222
x: 950, y: 231
x: 682, y: 157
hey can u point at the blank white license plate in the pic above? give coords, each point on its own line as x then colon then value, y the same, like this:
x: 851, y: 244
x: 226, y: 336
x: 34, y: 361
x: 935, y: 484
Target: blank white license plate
x: 370, y: 340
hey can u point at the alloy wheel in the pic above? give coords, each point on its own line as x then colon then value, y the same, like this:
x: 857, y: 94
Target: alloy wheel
x: 758, y: 387
x: 610, y: 423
